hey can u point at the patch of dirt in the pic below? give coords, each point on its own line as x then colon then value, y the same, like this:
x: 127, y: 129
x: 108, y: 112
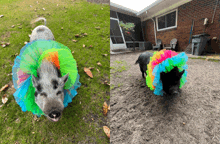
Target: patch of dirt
x: 139, y: 116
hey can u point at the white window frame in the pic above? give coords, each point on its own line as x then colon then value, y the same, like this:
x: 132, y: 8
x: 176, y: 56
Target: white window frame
x: 166, y: 14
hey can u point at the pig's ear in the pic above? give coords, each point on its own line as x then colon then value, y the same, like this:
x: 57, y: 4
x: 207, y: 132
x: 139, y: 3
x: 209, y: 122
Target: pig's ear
x: 34, y: 80
x: 64, y: 79
x: 181, y: 73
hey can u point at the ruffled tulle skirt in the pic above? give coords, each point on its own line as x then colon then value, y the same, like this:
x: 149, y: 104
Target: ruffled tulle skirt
x: 27, y: 63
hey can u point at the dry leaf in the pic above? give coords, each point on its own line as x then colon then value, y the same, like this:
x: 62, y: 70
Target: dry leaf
x: 91, y: 68
x: 105, y: 54
x: 1, y: 105
x: 90, y: 46
x: 3, y: 45
x: 109, y: 107
x: 88, y: 72
x: 107, y: 131
x: 72, y: 51
x: 98, y: 70
x: 105, y: 109
x: 74, y: 40
x: 33, y: 132
x: 4, y: 87
x: 4, y: 99
x: 207, y: 59
x: 20, y: 27
x: 35, y: 10
x: 43, y: 8
x: 13, y: 26
x: 106, y: 82
x: 57, y: 4
x: 62, y: 28
x: 30, y: 5
x: 97, y: 28
x: 25, y: 42
x: 85, y: 34
x: 7, y: 44
x: 35, y: 117
x: 84, y: 45
x: 1, y: 16
x: 77, y: 35
x: 99, y: 64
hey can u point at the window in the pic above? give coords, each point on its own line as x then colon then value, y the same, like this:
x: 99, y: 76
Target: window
x: 167, y: 21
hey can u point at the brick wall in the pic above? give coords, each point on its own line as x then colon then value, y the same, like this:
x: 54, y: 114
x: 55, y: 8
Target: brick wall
x: 197, y: 10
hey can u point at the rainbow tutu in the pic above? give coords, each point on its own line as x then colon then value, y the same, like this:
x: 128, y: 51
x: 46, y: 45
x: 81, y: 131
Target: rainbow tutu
x: 165, y: 61
x: 27, y: 63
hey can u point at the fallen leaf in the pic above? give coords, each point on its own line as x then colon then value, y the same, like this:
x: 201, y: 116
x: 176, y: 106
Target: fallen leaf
x: 105, y: 54
x: 33, y: 132
x: 77, y: 35
x: 30, y: 5
x: 7, y: 44
x: 84, y: 45
x: 72, y: 51
x: 42, y: 139
x: 43, y: 8
x: 207, y: 59
x: 91, y: 68
x: 35, y: 10
x: 1, y: 105
x: 105, y: 109
x: 109, y: 107
x: 98, y: 70
x: 90, y: 46
x: 13, y: 26
x: 25, y: 42
x: 97, y: 28
x: 92, y: 119
x: 74, y: 40
x: 107, y: 131
x: 4, y: 87
x: 106, y: 82
x: 3, y: 45
x: 20, y: 27
x: 85, y: 34
x: 88, y: 72
x: 65, y: 11
x: 4, y: 99
x: 1, y: 16
x: 57, y: 4
x: 62, y: 28
x: 99, y: 64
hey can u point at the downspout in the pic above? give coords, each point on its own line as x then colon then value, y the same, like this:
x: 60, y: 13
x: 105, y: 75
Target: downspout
x: 214, y: 11
x: 154, y: 31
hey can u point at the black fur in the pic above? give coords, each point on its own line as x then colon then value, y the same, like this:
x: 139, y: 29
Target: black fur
x: 35, y: 94
x: 171, y: 81
x: 43, y: 94
x: 143, y: 61
x: 39, y: 88
x: 58, y: 72
x: 54, y: 83
x: 59, y: 92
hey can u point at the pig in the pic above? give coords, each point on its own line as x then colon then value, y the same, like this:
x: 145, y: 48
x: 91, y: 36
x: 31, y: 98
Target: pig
x: 143, y: 61
x: 49, y: 92
x: 171, y: 82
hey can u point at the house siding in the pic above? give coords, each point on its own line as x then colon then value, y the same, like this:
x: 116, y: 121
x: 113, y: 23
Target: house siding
x: 197, y: 10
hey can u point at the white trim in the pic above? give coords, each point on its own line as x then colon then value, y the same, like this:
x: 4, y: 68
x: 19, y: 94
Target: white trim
x: 166, y: 14
x: 118, y: 46
x: 122, y: 8
x: 148, y: 7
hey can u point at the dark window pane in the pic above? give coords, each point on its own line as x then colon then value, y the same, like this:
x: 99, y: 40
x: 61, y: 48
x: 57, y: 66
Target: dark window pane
x: 111, y: 32
x: 161, y: 22
x: 171, y: 19
x: 113, y: 40
x: 113, y: 14
x: 115, y: 27
x: 119, y: 40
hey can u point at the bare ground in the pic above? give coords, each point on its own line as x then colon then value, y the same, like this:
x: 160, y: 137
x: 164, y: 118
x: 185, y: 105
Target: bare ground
x: 138, y: 116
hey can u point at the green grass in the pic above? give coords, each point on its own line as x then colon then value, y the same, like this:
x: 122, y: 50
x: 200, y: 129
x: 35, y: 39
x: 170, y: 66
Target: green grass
x: 119, y: 66
x: 77, y: 125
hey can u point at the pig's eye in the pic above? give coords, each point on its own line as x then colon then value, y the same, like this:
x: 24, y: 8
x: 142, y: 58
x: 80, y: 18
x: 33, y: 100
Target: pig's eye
x: 59, y: 92
x: 43, y: 94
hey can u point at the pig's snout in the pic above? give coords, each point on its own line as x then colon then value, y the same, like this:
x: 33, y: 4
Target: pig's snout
x: 54, y: 114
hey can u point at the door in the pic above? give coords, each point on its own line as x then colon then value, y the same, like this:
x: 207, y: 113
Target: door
x: 117, y: 38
